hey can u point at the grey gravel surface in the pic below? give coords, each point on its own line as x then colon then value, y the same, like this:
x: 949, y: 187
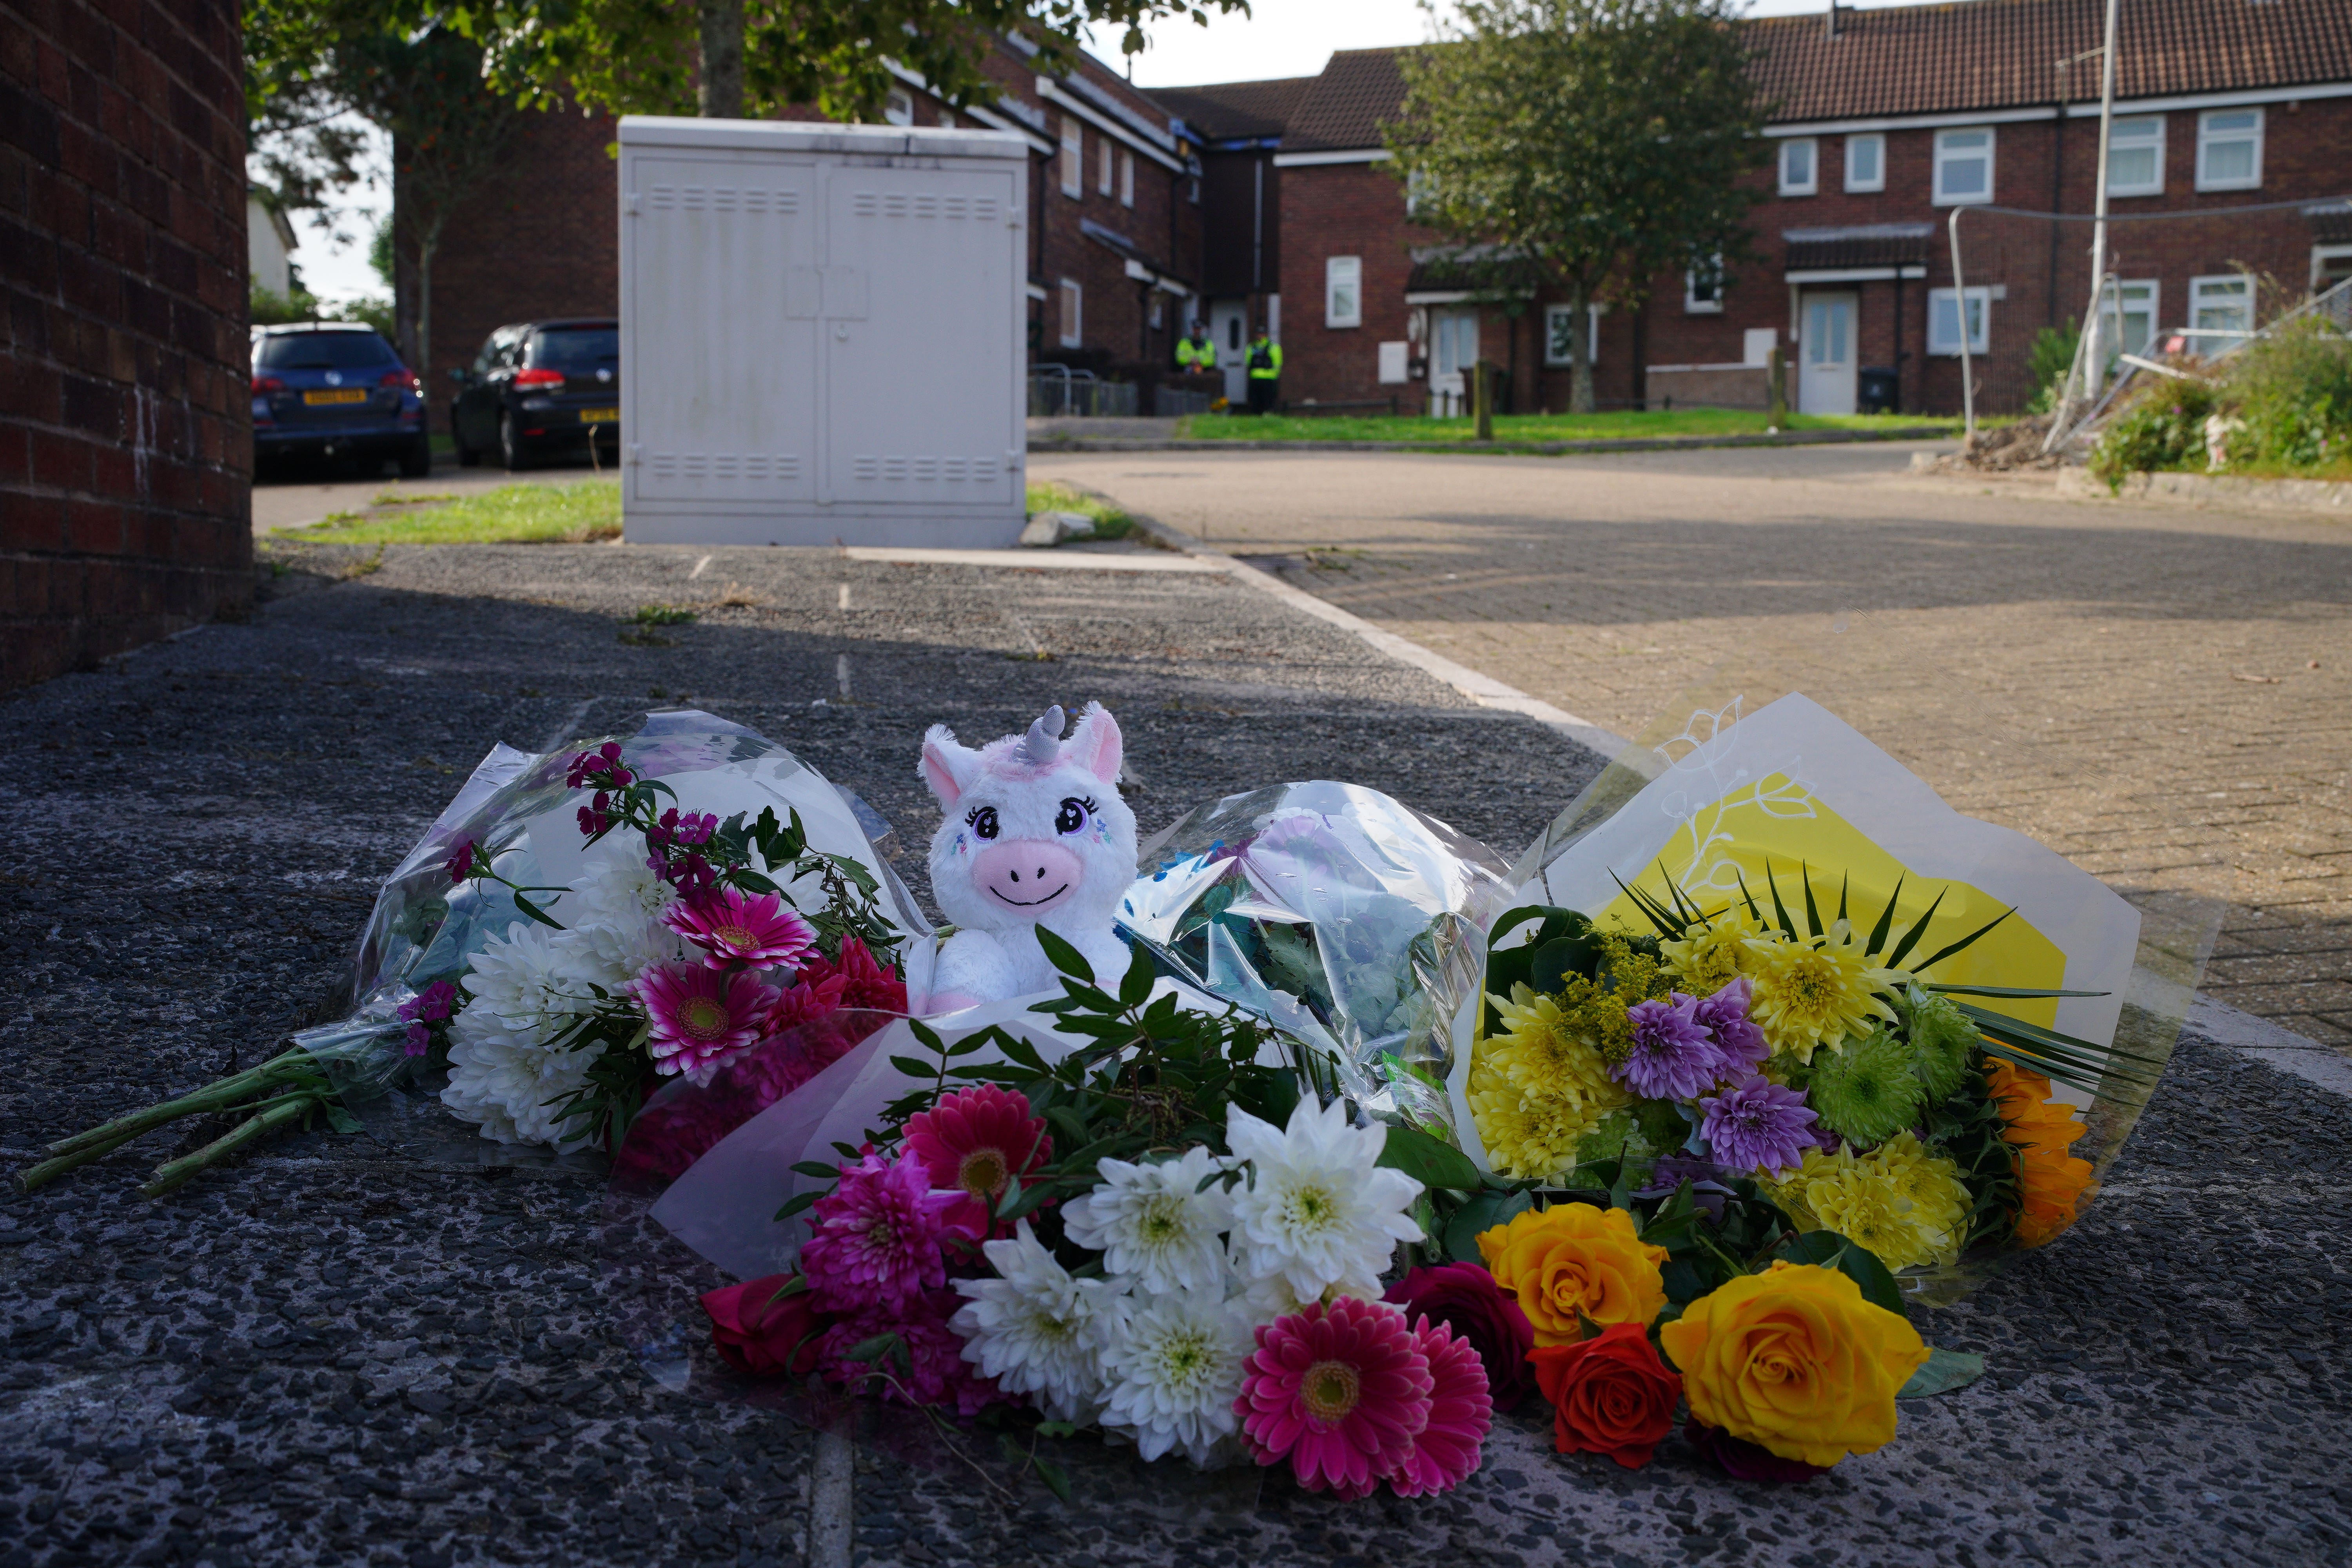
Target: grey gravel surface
x: 344, y: 1351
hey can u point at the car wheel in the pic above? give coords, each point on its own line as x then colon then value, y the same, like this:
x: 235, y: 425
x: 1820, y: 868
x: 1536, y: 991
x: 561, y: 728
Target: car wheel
x: 416, y: 459
x: 510, y: 446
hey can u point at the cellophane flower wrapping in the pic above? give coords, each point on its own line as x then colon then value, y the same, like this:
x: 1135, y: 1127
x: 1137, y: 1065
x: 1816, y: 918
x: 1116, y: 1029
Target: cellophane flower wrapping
x: 1343, y: 917
x: 519, y: 811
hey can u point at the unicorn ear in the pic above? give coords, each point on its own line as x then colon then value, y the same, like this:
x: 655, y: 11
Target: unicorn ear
x: 1095, y: 745
x: 947, y: 768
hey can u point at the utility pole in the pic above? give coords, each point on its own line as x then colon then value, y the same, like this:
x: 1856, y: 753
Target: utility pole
x: 2094, y: 358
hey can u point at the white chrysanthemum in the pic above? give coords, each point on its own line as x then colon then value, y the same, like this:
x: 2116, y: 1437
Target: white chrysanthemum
x: 1037, y: 1330
x: 1171, y: 1376
x: 525, y: 984
x: 1154, y: 1223
x: 512, y: 1089
x: 1317, y: 1208
x: 1270, y: 1297
x: 613, y: 910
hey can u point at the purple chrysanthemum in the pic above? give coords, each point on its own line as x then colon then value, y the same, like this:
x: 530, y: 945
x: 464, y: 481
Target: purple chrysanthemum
x: 1673, y: 1056
x: 878, y: 1235
x: 1725, y: 1016
x: 1757, y: 1125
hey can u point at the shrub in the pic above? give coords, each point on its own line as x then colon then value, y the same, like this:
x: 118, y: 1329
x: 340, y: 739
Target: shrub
x: 2163, y: 426
x: 2050, y: 357
x: 2294, y: 391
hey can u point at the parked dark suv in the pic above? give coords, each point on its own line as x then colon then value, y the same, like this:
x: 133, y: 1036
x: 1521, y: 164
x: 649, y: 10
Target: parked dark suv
x: 538, y: 388
x: 335, y: 389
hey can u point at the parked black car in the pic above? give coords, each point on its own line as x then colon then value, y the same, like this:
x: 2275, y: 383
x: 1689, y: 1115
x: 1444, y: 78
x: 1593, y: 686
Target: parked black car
x: 335, y: 389
x: 539, y: 388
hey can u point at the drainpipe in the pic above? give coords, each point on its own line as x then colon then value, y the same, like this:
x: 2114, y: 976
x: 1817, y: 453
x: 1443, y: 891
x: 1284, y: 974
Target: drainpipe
x: 1960, y: 307
x: 2094, y: 362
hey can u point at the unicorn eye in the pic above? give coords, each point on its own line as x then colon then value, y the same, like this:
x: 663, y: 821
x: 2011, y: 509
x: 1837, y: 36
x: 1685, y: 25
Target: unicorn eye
x: 1073, y: 815
x: 984, y: 821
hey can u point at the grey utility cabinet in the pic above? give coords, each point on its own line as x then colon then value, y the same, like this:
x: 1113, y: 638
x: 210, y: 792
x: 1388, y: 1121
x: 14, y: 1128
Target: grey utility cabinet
x: 821, y: 333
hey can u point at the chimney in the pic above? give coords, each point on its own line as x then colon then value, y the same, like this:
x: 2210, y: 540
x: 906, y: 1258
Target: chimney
x: 1829, y: 29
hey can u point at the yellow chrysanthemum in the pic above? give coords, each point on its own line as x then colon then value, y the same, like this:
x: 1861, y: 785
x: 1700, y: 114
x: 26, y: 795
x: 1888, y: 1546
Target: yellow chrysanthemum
x: 1711, y: 954
x: 1939, y: 1200
x: 1817, y: 991
x: 1538, y: 1086
x: 1864, y: 1199
x: 1546, y: 1049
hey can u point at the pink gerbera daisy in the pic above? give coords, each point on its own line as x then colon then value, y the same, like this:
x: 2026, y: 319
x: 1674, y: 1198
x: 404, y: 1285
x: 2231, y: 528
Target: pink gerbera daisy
x: 700, y: 1015
x: 732, y: 927
x: 1461, y: 1412
x: 1339, y: 1391
x: 877, y: 1237
x: 979, y: 1141
x: 867, y: 983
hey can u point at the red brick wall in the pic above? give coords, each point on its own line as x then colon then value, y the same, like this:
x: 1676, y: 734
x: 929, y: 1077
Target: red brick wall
x: 125, y: 432
x: 1344, y: 209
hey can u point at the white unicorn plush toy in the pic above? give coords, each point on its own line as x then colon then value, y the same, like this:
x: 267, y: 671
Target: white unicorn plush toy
x: 1035, y: 834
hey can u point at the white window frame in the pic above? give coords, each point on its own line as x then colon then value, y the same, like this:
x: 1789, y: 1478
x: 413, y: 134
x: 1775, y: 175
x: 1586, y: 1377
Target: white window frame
x: 1551, y: 336
x: 1343, y: 290
x: 2145, y: 187
x: 2208, y: 138
x: 947, y: 120
x: 1073, y: 303
x: 1944, y: 347
x: 2242, y: 290
x: 1695, y: 306
x: 1419, y: 187
x: 1103, y: 179
x: 1875, y: 140
x: 2114, y: 307
x: 898, y: 107
x: 1125, y: 178
x: 1946, y: 154
x: 2321, y: 255
x: 1074, y: 158
x: 1812, y: 180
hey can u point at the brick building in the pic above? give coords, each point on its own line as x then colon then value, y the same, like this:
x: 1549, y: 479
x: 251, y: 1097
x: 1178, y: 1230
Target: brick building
x: 1886, y: 122
x: 125, y: 446
x: 1114, y: 219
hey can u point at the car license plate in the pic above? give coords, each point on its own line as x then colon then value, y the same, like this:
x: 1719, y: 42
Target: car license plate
x: 600, y: 416
x: 347, y: 394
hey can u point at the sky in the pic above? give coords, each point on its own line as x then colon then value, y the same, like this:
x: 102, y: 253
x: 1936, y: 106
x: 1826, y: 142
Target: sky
x: 1278, y: 38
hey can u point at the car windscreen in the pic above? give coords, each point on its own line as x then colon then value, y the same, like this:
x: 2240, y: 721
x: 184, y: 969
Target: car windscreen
x: 576, y: 351
x: 324, y: 351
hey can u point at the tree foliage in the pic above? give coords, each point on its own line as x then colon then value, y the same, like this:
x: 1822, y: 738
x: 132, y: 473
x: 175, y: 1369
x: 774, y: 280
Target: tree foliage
x: 1596, y: 144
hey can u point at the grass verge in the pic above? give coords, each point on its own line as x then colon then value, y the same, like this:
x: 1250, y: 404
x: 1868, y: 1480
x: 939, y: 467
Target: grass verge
x: 1629, y: 425
x: 512, y: 515
x: 1111, y: 522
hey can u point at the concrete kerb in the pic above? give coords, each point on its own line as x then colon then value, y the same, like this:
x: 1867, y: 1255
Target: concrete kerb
x: 1503, y: 449
x: 2237, y: 492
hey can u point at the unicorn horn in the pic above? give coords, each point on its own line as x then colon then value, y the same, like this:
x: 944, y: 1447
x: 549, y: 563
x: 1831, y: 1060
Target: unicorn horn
x: 1042, y: 743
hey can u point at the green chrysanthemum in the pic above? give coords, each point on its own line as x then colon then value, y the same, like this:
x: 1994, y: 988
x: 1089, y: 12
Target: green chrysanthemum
x: 1614, y: 1136
x: 1866, y: 1092
x: 1943, y: 1042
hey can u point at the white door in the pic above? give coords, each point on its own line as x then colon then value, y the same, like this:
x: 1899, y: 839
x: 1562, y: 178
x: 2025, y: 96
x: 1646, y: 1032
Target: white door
x: 714, y: 412
x: 910, y: 405
x: 1825, y: 385
x: 1229, y: 330
x: 1453, y: 350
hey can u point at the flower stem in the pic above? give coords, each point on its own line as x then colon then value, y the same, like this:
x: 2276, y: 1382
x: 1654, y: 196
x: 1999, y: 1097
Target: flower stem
x: 270, y: 1118
x: 51, y: 1169
x: 217, y: 1096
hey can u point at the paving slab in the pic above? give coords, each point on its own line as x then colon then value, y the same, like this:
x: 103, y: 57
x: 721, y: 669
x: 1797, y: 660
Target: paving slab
x: 354, y: 1350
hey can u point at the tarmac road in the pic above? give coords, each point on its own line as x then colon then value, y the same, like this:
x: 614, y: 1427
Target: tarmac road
x: 353, y: 1351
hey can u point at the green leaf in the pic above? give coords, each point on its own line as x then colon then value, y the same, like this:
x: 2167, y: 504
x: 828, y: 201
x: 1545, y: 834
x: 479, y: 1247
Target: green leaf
x: 796, y: 1203
x: 871, y: 1350
x: 1943, y: 952
x: 1056, y: 1478
x: 1944, y: 1372
x: 1854, y: 1260
x: 535, y: 912
x: 1885, y: 920
x: 1064, y: 957
x: 914, y: 1069
x: 1430, y: 1161
x: 1056, y: 1429
x: 818, y: 1169
x: 1483, y: 1213
x: 1141, y: 975
x: 339, y: 1118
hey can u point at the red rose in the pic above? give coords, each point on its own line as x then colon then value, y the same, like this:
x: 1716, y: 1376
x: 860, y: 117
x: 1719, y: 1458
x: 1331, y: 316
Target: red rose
x: 763, y: 1333
x: 1465, y: 1299
x: 1612, y: 1394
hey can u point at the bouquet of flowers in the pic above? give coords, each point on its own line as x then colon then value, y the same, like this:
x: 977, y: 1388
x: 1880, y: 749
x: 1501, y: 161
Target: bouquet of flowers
x: 547, y: 1010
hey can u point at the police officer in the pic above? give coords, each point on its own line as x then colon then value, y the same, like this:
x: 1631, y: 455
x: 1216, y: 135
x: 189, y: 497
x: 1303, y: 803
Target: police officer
x: 1196, y: 356
x: 1265, y: 373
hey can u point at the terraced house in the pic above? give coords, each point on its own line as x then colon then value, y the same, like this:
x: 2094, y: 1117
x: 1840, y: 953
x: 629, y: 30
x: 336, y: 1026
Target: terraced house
x: 1884, y: 123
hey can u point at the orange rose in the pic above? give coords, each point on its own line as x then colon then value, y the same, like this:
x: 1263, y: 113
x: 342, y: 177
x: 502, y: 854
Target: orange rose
x: 1574, y: 1259
x: 2052, y: 1185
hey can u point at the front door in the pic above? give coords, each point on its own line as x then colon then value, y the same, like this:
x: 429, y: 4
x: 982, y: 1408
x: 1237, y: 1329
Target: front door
x: 1453, y: 350
x: 1826, y: 383
x: 1229, y: 330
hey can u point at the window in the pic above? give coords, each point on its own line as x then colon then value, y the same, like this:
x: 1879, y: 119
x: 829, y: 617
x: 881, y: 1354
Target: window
x: 1074, y: 158
x: 1073, y: 319
x: 1419, y: 187
x: 1102, y: 181
x: 1125, y: 178
x: 947, y: 120
x: 2330, y: 265
x: 1703, y: 289
x: 1944, y: 320
x: 1343, y: 291
x: 2127, y: 318
x: 1558, y: 325
x: 1865, y: 162
x: 1963, y: 168
x: 1800, y: 173
x: 2230, y: 150
x: 2135, y: 157
x: 898, y: 107
x: 2221, y: 311
x: 1156, y: 316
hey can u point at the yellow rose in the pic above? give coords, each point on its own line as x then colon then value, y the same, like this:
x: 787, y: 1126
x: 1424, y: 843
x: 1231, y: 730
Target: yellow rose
x: 1795, y: 1360
x: 1576, y: 1258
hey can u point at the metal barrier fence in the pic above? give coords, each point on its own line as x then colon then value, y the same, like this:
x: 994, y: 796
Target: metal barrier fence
x: 1056, y: 391
x: 1175, y: 402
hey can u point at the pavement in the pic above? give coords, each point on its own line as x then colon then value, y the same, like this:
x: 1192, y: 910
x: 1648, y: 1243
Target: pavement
x: 2163, y: 696
x: 361, y: 1349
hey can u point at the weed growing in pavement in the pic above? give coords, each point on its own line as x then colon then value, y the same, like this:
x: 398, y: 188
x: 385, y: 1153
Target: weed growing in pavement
x: 661, y: 615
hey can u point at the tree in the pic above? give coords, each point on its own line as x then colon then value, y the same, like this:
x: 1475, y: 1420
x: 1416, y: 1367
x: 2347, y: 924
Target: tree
x: 733, y: 57
x: 1595, y: 143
